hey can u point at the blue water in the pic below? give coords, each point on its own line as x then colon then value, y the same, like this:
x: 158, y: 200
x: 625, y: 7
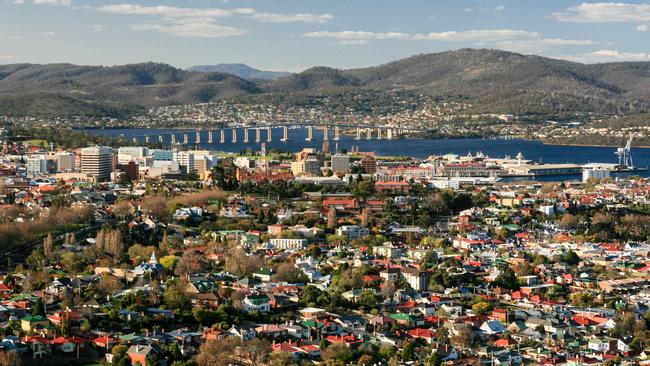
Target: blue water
x: 419, y: 148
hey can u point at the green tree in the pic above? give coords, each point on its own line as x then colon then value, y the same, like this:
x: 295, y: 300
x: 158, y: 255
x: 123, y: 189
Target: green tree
x: 175, y: 297
x: 571, y: 258
x: 507, y: 279
x: 39, y: 307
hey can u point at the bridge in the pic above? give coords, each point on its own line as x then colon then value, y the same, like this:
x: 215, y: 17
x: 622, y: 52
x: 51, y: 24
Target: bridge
x: 233, y: 134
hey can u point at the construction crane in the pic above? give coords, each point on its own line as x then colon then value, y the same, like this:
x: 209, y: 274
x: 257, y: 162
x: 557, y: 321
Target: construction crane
x: 624, y: 154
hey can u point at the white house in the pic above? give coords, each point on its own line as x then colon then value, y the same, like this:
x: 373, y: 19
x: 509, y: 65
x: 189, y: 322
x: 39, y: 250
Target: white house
x: 259, y: 303
x: 352, y: 232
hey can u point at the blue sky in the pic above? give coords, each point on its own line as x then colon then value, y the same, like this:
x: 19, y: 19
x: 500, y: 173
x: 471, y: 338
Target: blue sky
x: 296, y: 34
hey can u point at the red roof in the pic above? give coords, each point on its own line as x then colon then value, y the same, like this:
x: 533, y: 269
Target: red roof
x: 349, y: 339
x: 75, y: 340
x: 502, y: 342
x: 421, y: 333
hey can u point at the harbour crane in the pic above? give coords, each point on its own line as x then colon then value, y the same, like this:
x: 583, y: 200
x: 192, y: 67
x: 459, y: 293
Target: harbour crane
x: 624, y: 154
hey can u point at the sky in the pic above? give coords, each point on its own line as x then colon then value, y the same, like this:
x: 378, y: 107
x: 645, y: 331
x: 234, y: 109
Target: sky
x: 292, y: 35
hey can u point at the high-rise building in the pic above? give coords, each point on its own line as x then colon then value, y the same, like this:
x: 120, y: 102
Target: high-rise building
x: 186, y: 160
x: 64, y: 161
x: 340, y: 163
x: 36, y: 165
x: 97, y: 161
x: 131, y: 153
x: 161, y: 155
x: 312, y: 166
x: 298, y: 168
x: 369, y: 164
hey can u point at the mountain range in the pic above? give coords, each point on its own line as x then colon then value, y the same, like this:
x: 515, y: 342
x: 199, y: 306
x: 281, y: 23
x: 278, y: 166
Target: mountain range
x: 241, y: 70
x: 493, y: 80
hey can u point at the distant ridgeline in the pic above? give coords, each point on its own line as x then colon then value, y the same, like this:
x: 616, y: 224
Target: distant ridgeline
x: 494, y: 81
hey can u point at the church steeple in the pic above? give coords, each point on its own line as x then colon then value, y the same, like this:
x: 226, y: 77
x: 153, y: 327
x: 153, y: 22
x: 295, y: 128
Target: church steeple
x: 153, y: 259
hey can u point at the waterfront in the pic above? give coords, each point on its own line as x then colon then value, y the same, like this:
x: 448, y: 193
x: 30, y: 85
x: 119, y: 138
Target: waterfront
x: 420, y: 148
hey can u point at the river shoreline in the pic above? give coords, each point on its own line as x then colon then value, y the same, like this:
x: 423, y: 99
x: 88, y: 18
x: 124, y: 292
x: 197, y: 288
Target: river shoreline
x: 412, y: 138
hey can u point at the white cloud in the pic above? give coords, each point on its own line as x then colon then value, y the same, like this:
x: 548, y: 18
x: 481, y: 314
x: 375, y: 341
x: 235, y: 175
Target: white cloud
x: 53, y: 2
x: 48, y: 34
x: 192, y: 29
x: 96, y: 27
x: 292, y: 18
x: 511, y: 39
x: 605, y: 13
x: 489, y: 35
x: 357, y: 35
x: 499, y: 8
x: 202, y: 22
x: 642, y: 28
x: 6, y: 57
x: 541, y: 44
x: 609, y: 56
x: 19, y: 2
x: 352, y: 42
x: 173, y: 11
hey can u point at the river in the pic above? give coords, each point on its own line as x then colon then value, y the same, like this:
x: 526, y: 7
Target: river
x: 420, y: 148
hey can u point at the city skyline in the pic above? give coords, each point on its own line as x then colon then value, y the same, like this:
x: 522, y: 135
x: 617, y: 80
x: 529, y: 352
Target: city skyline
x: 294, y: 35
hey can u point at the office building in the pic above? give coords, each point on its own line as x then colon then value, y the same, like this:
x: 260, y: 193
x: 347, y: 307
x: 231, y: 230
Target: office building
x: 97, y: 161
x: 594, y: 173
x: 186, y: 160
x: 369, y: 164
x: 65, y: 161
x: 36, y: 165
x: 340, y: 164
x: 127, y: 154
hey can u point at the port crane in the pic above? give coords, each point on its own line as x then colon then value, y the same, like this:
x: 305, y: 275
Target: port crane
x: 624, y: 154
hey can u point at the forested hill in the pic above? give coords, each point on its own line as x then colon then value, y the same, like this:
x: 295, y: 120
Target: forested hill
x: 495, y: 81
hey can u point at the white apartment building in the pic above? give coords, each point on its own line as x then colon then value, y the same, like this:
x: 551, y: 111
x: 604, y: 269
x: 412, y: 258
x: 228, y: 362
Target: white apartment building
x: 352, y: 232
x: 288, y: 244
x: 36, y: 165
x: 186, y: 160
x: 127, y: 154
x: 64, y: 161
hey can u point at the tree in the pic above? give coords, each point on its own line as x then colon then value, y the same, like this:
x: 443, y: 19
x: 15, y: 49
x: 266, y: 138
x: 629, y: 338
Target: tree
x: 48, y: 246
x: 139, y: 253
x: 582, y: 299
x: 366, y: 360
x: 240, y: 263
x: 388, y: 289
x: 337, y: 352
x: 10, y: 358
x: 507, y: 279
x: 363, y: 189
x: 175, y: 297
x: 169, y: 262
x: 287, y: 272
x: 39, y: 307
x: 365, y: 215
x: 482, y: 308
x: 119, y: 352
x: 191, y: 262
x: 569, y: 221
x: 331, y: 218
x: 282, y: 359
x: 109, y: 284
x: 463, y: 338
x: 86, y: 327
x: 172, y: 353
x: 571, y: 258
x: 73, y: 261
